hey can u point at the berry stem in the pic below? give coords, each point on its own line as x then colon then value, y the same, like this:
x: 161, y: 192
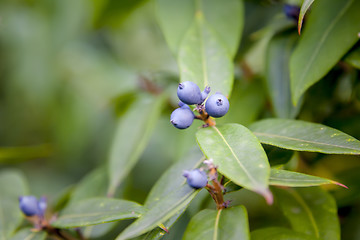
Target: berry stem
x: 216, y: 190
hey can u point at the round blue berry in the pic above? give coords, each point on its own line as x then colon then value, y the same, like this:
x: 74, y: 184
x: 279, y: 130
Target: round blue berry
x: 29, y: 205
x: 292, y: 12
x: 189, y: 93
x: 182, y: 117
x: 196, y: 178
x: 217, y: 105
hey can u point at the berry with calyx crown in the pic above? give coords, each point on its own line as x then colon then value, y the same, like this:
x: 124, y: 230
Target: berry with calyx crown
x: 217, y: 105
x: 189, y: 93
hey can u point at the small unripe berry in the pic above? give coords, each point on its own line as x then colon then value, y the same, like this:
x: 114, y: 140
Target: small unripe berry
x: 217, y: 105
x: 205, y: 93
x: 29, y: 205
x: 182, y: 117
x: 189, y: 93
x: 196, y: 178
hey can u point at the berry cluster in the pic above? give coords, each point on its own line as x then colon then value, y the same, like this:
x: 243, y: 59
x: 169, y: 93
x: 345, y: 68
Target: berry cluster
x: 31, y: 206
x: 189, y: 93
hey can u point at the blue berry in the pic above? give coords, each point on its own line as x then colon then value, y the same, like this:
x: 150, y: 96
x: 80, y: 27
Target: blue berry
x: 189, y: 93
x: 217, y: 105
x: 29, y: 205
x: 196, y: 178
x: 182, y: 117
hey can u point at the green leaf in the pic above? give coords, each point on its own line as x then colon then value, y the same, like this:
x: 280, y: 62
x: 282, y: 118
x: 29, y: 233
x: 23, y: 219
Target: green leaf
x: 278, y: 76
x: 28, y: 234
x: 92, y: 185
x: 170, y: 180
x: 304, y: 136
x: 294, y: 179
x: 164, y: 209
x: 176, y: 16
x: 229, y: 223
x: 311, y: 211
x: 204, y: 60
x: 238, y: 155
x: 133, y: 132
x: 96, y: 211
x: 304, y: 7
x: 12, y: 186
x: 278, y: 233
x: 323, y: 42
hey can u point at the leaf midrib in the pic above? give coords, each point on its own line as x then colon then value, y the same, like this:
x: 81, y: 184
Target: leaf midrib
x: 216, y: 226
x: 233, y: 153
x: 307, y: 210
x: 320, y: 43
x: 302, y: 140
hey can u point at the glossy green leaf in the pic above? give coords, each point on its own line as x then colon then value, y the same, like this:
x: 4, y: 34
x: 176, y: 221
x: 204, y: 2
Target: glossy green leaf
x: 278, y: 233
x: 28, y: 234
x: 279, y: 177
x: 304, y: 136
x: 163, y: 210
x: 311, y: 211
x: 277, y: 75
x: 304, y: 7
x: 176, y: 16
x: 323, y: 42
x: 170, y: 180
x: 204, y: 60
x: 238, y: 155
x: 229, y: 223
x: 12, y: 186
x: 133, y: 132
x: 96, y: 211
x: 294, y: 179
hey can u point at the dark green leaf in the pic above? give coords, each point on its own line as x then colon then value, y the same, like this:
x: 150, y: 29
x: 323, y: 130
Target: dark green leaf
x: 238, y: 155
x: 131, y: 137
x: 278, y: 233
x: 278, y: 76
x: 229, y: 223
x: 28, y: 234
x: 304, y: 7
x: 323, y: 42
x: 160, y: 212
x: 96, y: 211
x: 304, y: 136
x: 294, y: 179
x: 354, y: 58
x: 204, y: 60
x: 311, y: 211
x: 12, y: 186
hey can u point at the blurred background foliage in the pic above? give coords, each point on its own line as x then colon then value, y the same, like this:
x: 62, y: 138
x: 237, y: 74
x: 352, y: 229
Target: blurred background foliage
x: 70, y: 69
